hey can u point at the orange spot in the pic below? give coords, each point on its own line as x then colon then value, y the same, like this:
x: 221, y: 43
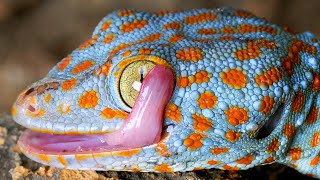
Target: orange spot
x: 316, y: 82
x: 269, y: 77
x: 126, y: 53
x: 315, y: 140
x: 175, y: 38
x: 293, y: 56
x: 162, y: 149
x: 243, y: 14
x: 32, y: 100
x: 14, y: 111
x: 64, y: 108
x: 312, y: 115
x: 234, y: 78
x: 150, y: 38
x: 130, y: 26
x: 266, y: 104
x: 293, y: 165
x: 295, y: 153
x: 89, y: 99
x: 203, y: 17
x: 289, y: 30
x: 173, y: 112
x: 297, y: 102
x: 236, y: 115
x: 126, y: 13
x: 207, y: 100
x: 213, y: 162
x: 68, y: 84
x: 245, y: 160
x: 217, y: 151
x: 315, y: 161
x: 136, y: 169
x: 81, y: 157
x: 127, y: 153
x: 249, y: 28
x: 88, y: 43
x: 64, y: 63
x: 183, y: 82
x: 145, y: 51
x: 269, y: 160
x: 62, y: 160
x: 166, y: 12
x: 172, y: 25
x: 36, y: 114
x: 201, y: 123
x: 204, y: 40
x: 273, y: 146
x: 228, y: 30
x: 248, y: 53
x: 106, y: 25
x: 207, y: 31
x: 44, y: 158
x: 163, y: 168
x: 109, y: 113
x: 197, y: 168
x: 266, y: 43
x: 230, y: 168
x: 194, y: 141
x: 104, y: 69
x: 288, y: 130
x: 226, y: 38
x: 189, y: 54
x: 108, y: 39
x: 202, y: 76
x: 82, y: 66
x: 47, y: 98
x: 232, y: 136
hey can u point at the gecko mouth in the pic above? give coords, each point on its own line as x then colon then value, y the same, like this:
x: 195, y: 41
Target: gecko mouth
x: 143, y: 126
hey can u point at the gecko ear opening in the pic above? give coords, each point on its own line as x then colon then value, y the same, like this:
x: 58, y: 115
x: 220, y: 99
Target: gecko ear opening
x: 271, y: 123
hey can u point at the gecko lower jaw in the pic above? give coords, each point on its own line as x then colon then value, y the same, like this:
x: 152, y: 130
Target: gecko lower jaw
x: 143, y: 126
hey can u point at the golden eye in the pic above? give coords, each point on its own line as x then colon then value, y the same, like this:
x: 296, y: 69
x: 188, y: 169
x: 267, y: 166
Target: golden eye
x: 130, y: 79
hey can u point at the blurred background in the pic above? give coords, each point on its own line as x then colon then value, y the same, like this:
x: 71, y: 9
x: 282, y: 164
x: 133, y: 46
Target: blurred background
x: 36, y: 34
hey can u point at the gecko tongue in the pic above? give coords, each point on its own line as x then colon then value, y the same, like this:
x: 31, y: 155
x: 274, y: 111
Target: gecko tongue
x: 142, y: 127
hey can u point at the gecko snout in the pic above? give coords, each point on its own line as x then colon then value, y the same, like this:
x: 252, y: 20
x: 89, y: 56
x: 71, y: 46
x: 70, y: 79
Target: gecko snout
x: 36, y: 90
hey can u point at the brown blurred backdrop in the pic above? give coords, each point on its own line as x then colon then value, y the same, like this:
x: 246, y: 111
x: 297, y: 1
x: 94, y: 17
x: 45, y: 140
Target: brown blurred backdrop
x: 36, y: 34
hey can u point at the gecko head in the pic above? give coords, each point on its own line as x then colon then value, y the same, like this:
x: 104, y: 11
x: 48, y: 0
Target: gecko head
x: 111, y: 107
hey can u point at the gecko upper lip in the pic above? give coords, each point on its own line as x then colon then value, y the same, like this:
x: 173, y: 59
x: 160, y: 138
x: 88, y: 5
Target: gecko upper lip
x: 143, y: 126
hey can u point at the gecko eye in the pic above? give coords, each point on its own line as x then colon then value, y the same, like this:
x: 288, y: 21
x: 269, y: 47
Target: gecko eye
x: 131, y: 79
x: 271, y: 123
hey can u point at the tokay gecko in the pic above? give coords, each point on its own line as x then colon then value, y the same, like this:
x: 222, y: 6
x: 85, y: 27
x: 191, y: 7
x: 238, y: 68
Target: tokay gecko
x: 178, y: 91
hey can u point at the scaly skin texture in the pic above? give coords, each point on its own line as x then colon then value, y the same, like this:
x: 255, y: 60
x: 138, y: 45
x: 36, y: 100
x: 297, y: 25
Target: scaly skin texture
x: 246, y: 93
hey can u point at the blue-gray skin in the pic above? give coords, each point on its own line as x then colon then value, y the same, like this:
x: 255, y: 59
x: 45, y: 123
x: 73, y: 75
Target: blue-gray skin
x: 246, y: 93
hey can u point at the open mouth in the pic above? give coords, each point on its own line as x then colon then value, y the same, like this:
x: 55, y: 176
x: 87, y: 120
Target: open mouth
x: 143, y: 126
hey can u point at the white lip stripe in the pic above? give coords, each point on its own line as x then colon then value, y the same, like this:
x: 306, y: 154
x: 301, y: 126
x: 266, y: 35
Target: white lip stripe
x: 136, y: 85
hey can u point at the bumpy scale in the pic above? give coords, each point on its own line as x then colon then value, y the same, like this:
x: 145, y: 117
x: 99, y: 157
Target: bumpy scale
x: 246, y: 93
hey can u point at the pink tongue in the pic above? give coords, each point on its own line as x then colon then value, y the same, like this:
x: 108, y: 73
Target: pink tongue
x: 142, y: 127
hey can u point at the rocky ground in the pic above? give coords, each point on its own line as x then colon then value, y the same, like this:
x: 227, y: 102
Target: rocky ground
x: 14, y: 165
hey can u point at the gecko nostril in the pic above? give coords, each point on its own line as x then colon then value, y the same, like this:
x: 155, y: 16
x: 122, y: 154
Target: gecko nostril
x: 31, y: 108
x: 37, y: 90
